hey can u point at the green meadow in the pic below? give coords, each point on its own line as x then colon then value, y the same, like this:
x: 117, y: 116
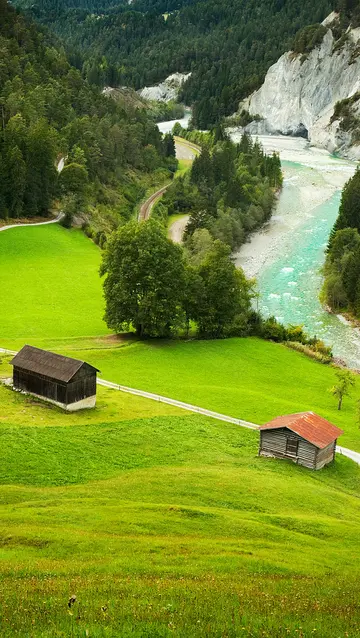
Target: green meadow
x: 50, y: 286
x: 249, y: 378
x: 163, y: 523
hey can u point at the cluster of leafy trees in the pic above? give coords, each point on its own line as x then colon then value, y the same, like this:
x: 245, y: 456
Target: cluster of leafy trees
x: 160, y: 289
x: 228, y: 46
x: 48, y: 111
x: 153, y: 287
x: 341, y: 290
x: 229, y: 191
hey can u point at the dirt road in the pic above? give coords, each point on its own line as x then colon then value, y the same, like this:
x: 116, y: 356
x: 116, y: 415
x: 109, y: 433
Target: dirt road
x: 184, y: 150
x: 177, y: 229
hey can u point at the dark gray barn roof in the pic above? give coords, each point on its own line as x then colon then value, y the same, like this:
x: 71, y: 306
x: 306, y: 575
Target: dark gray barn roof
x: 48, y: 364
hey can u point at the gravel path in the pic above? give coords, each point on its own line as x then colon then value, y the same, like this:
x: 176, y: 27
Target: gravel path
x: 184, y: 150
x: 177, y: 229
x: 178, y: 404
x: 52, y: 221
x: 354, y: 456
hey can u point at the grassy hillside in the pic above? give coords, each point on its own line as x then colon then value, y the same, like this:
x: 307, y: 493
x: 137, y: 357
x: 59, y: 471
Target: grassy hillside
x: 50, y: 285
x: 246, y: 378
x: 164, y: 523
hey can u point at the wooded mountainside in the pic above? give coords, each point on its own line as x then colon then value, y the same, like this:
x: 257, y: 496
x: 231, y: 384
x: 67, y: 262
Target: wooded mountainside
x: 229, y: 191
x: 47, y: 110
x: 228, y: 46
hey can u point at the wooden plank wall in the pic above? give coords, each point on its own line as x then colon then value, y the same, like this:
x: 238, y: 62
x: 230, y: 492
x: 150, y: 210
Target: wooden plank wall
x: 325, y: 456
x: 273, y: 442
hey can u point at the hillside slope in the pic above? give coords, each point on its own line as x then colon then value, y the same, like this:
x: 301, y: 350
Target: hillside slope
x: 228, y: 46
x: 164, y: 524
x: 49, y: 111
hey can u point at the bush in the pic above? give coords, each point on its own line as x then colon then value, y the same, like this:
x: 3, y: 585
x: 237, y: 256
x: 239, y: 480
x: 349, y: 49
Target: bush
x: 309, y: 352
x: 309, y: 38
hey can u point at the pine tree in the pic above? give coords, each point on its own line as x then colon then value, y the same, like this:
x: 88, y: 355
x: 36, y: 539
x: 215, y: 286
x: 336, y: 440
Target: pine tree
x: 349, y: 212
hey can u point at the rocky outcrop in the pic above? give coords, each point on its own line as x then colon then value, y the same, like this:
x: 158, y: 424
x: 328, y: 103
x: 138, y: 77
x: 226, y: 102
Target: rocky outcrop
x: 167, y: 90
x: 300, y: 92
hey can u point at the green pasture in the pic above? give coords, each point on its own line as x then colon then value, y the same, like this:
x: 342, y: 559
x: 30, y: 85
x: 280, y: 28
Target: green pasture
x: 250, y: 378
x: 50, y: 286
x: 163, y: 523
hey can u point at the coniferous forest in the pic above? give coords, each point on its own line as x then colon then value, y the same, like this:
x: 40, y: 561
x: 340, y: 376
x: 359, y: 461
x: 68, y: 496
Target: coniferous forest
x: 229, y: 192
x: 47, y: 112
x: 228, y: 46
x: 341, y: 290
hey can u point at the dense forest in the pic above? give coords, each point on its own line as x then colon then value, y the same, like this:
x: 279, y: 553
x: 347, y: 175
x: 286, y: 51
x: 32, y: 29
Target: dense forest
x: 228, y: 46
x: 341, y: 290
x: 48, y: 111
x: 229, y: 191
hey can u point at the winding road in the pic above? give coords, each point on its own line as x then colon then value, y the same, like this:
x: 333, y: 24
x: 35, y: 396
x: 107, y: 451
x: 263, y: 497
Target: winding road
x: 147, y: 206
x: 51, y: 221
x: 184, y: 150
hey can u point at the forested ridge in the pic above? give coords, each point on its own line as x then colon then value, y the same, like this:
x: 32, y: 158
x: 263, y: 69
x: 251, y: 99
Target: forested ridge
x: 228, y: 46
x: 228, y: 193
x: 47, y: 110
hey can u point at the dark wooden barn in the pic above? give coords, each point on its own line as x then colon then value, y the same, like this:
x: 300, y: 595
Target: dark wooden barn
x: 305, y: 438
x: 69, y: 383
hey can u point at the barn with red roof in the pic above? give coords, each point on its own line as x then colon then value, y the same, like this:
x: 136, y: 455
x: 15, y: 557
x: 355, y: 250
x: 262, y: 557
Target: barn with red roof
x: 305, y: 438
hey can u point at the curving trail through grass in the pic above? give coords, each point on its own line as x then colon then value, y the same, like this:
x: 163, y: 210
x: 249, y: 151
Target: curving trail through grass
x: 56, y: 220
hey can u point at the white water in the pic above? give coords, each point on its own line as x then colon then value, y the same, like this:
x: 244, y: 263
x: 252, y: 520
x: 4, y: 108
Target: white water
x: 287, y: 255
x: 167, y: 127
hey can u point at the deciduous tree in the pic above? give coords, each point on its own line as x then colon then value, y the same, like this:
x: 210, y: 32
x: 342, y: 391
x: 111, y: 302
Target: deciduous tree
x: 145, y: 280
x: 345, y: 380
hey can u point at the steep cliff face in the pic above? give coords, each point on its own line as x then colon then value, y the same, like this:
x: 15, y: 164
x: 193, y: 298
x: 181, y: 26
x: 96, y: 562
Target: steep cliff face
x: 300, y: 93
x: 167, y: 90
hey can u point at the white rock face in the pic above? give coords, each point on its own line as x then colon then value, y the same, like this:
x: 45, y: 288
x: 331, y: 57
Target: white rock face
x: 298, y: 98
x: 167, y: 90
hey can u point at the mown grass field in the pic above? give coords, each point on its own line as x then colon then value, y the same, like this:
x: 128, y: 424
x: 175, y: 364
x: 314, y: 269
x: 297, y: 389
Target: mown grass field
x: 249, y: 378
x: 163, y: 523
x: 50, y: 286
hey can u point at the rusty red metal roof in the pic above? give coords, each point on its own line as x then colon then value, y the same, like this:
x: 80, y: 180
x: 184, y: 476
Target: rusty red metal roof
x: 309, y: 426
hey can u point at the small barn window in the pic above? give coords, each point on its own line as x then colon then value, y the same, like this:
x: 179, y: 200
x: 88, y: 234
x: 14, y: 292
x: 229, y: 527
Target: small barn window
x: 292, y: 445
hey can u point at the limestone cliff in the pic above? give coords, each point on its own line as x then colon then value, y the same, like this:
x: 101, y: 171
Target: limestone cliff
x: 301, y: 92
x: 167, y: 90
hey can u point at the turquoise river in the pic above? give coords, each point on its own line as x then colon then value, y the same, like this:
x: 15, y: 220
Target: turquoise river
x: 286, y: 256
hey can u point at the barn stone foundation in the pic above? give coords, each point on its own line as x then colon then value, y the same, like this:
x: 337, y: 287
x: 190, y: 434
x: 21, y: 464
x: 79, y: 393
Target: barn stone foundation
x: 84, y: 404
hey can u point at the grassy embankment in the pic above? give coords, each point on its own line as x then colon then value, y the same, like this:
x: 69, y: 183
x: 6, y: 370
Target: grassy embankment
x: 50, y: 286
